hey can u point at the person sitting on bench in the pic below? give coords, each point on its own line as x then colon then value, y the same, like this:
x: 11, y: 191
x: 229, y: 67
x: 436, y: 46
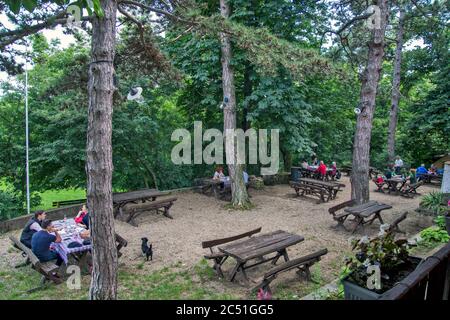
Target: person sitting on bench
x: 410, y: 180
x: 81, y: 214
x: 31, y: 227
x: 322, y: 170
x: 40, y: 243
x: 85, y: 220
x: 420, y: 171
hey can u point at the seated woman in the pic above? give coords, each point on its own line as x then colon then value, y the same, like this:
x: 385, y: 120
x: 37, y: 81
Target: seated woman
x: 40, y: 243
x: 85, y: 220
x: 322, y: 170
x: 218, y: 175
x: 333, y: 170
x: 81, y: 214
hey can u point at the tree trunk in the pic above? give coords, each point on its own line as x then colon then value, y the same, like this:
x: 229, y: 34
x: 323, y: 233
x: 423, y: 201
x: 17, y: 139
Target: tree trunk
x: 395, y: 89
x: 238, y: 190
x: 361, y: 147
x: 99, y: 164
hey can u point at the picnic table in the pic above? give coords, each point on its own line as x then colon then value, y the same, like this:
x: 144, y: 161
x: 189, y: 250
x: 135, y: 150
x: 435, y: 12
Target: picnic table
x: 257, y: 247
x: 317, y: 187
x: 215, y: 187
x: 429, y: 177
x: 121, y: 199
x: 395, y: 184
x: 363, y: 213
x: 70, y: 233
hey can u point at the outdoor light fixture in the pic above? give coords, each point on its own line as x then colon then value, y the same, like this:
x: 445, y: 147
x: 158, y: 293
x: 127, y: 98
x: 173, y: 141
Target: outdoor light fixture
x: 135, y: 95
x: 224, y: 103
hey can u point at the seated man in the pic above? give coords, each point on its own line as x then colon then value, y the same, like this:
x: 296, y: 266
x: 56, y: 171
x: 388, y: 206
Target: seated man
x: 420, y: 171
x: 31, y: 227
x: 245, y: 177
x: 40, y: 243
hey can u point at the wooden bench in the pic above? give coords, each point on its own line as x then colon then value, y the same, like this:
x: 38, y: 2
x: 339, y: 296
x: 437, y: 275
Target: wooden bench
x: 411, y: 190
x: 219, y: 257
x: 341, y: 217
x: 58, y: 204
x: 302, y: 264
x: 46, y: 269
x: 361, y: 213
x: 393, y: 227
x: 160, y: 206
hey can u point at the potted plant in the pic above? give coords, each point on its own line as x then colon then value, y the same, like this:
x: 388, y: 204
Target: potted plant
x: 389, y: 256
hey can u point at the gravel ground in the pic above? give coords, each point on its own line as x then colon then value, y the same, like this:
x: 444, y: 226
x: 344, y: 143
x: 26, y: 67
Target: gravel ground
x: 198, y: 218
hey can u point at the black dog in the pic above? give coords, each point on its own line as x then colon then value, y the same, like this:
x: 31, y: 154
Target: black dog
x: 147, y: 249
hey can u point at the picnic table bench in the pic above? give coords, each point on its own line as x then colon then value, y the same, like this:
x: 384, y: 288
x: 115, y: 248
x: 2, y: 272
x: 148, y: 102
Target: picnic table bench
x: 257, y: 247
x: 49, y: 268
x: 57, y: 204
x: 121, y: 199
x: 363, y: 214
x: 325, y: 190
x: 302, y: 264
x: 46, y: 269
x: 131, y: 211
x: 428, y: 177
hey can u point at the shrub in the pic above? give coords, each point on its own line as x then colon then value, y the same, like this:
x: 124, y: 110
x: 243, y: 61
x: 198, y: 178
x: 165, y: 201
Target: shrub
x: 433, y: 202
x: 434, y: 235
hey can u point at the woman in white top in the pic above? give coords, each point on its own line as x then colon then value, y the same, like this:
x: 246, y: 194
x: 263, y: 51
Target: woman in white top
x: 218, y: 175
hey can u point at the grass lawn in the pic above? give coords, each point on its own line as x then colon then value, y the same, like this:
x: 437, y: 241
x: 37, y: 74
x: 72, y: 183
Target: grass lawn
x: 47, y: 197
x: 170, y: 283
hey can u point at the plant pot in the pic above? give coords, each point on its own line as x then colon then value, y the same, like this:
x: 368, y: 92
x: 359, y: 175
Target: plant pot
x: 353, y: 291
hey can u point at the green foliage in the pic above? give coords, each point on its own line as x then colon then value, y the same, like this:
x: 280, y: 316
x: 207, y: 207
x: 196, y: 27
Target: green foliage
x: 433, y: 202
x: 440, y: 222
x: 383, y: 251
x: 434, y: 235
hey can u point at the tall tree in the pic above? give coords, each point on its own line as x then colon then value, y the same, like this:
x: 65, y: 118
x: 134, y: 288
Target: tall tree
x: 393, y: 119
x: 239, y: 193
x: 99, y: 164
x: 369, y: 84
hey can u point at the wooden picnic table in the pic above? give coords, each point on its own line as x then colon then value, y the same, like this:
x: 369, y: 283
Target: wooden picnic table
x: 215, y: 187
x: 395, y: 184
x: 317, y: 186
x: 257, y: 247
x: 364, y: 212
x: 123, y: 198
x: 429, y: 177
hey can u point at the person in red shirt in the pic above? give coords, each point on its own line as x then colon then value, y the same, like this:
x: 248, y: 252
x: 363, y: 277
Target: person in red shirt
x: 322, y: 169
x: 81, y: 214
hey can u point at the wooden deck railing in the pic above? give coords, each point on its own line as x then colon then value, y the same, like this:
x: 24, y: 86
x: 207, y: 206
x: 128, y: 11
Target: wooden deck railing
x: 430, y: 280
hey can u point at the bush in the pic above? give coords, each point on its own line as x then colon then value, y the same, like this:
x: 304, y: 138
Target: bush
x: 433, y: 202
x: 433, y: 235
x: 10, y: 206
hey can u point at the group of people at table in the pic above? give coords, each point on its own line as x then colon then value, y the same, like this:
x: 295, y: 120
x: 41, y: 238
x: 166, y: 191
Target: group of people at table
x: 39, y: 234
x: 225, y: 180
x: 319, y: 167
x: 397, y: 171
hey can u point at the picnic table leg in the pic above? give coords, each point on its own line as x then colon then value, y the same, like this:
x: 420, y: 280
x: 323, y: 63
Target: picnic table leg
x: 358, y: 221
x: 235, y: 270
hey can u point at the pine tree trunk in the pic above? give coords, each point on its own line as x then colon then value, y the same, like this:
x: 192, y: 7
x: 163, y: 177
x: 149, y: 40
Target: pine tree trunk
x: 395, y: 90
x: 99, y: 164
x: 371, y: 76
x: 238, y: 190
